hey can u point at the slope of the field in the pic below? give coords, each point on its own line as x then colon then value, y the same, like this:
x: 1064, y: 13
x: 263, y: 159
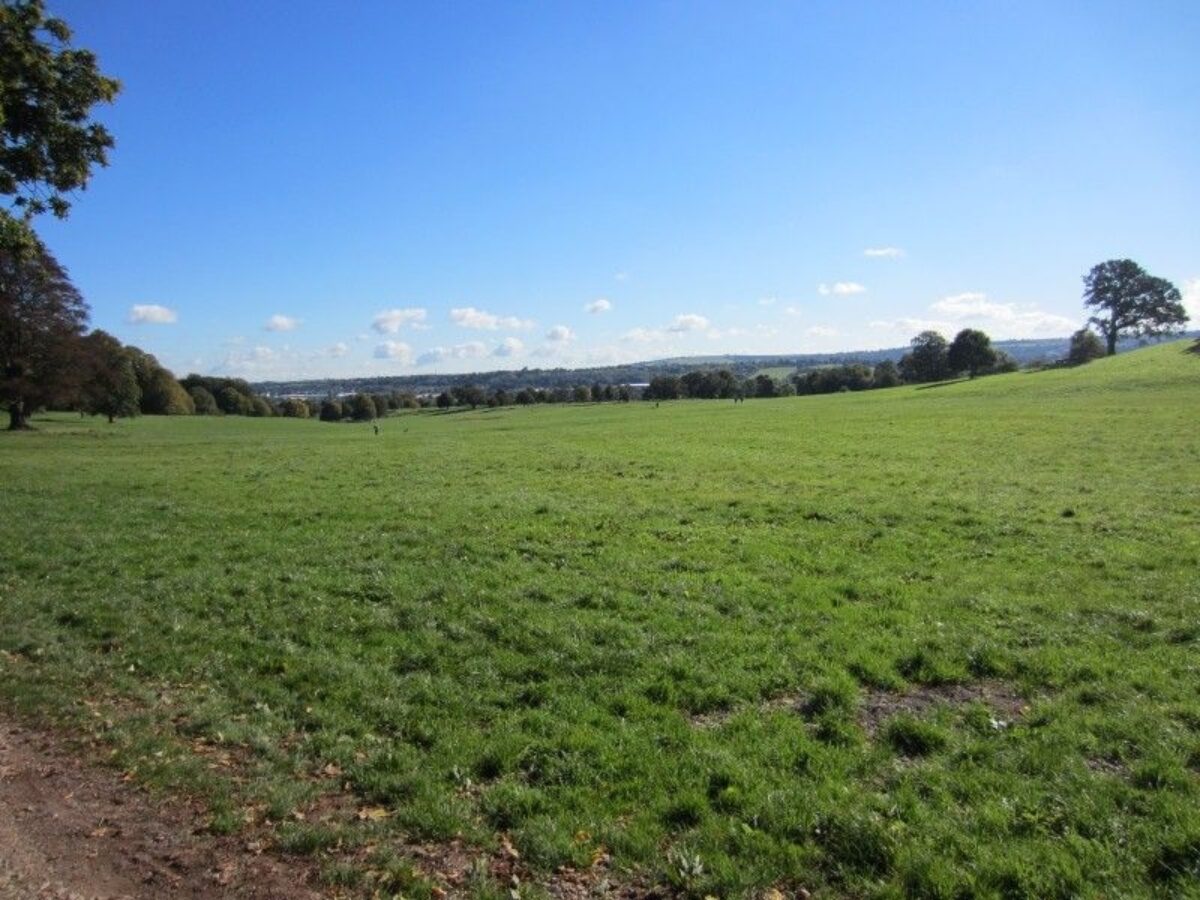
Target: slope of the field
x: 942, y: 641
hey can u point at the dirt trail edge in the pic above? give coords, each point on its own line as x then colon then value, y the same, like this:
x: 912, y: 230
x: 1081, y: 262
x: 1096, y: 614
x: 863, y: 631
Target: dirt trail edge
x: 74, y: 831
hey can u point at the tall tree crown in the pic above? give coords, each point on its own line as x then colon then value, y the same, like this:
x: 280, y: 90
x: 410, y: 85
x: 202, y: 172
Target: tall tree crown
x: 48, y: 142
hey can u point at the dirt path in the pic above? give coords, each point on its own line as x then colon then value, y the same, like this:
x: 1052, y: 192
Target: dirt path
x: 72, y: 831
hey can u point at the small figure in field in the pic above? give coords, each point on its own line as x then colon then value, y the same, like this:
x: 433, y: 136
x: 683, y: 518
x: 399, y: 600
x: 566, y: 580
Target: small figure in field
x: 377, y: 428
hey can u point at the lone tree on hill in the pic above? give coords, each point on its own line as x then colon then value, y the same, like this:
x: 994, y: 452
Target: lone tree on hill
x: 42, y: 317
x: 1130, y: 301
x: 971, y: 351
x: 48, y: 145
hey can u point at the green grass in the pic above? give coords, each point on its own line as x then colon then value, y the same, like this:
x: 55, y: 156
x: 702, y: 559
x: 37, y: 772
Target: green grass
x: 653, y: 629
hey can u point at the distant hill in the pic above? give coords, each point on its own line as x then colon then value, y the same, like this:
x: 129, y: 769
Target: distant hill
x: 742, y: 365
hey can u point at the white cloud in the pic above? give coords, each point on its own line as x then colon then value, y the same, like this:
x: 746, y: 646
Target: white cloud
x: 560, y: 334
x: 793, y: 311
x: 394, y: 350
x: 470, y: 317
x: 643, y: 335
x: 688, y: 322
x: 391, y: 321
x: 766, y: 301
x: 909, y: 327
x: 152, y: 314
x: 1007, y: 319
x: 821, y: 331
x: 884, y: 253
x: 621, y: 276
x: 469, y: 350
x: 279, y: 322
x: 841, y: 288
x: 337, y: 350
x: 599, y: 305
x: 1191, y: 299
x: 510, y: 346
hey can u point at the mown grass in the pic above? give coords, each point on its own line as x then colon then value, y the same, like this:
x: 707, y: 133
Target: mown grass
x: 571, y: 625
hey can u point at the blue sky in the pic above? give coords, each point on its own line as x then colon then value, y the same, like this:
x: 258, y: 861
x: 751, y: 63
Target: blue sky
x: 311, y: 189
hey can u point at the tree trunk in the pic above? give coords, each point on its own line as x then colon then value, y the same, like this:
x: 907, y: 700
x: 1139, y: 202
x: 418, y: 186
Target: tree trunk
x: 111, y: 418
x: 16, y: 416
x: 1111, y: 337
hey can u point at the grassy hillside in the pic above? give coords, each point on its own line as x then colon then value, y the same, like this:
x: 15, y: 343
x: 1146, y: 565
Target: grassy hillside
x: 939, y: 641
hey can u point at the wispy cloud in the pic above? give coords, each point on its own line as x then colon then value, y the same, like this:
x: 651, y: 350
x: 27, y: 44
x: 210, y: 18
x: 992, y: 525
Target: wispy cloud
x: 394, y: 350
x: 469, y: 350
x: 391, y: 321
x: 884, y: 253
x: 280, y: 322
x: 841, y: 288
x: 643, y: 335
x: 559, y: 334
x: 599, y: 305
x: 1191, y: 299
x: 152, y: 314
x: 688, y: 322
x: 470, y: 317
x: 1008, y: 319
x: 510, y: 346
x: 821, y: 331
x: 973, y: 308
x: 337, y: 350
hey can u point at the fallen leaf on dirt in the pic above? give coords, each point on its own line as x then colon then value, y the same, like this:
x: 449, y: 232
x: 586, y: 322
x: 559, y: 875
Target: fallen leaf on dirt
x: 508, y: 849
x: 373, y: 814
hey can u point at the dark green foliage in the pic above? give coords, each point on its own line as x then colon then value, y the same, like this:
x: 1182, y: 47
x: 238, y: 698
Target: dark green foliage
x: 1130, y: 301
x: 971, y: 352
x: 444, y: 400
x: 927, y: 360
x: 331, y: 410
x: 469, y: 395
x: 1085, y: 346
x: 294, y: 408
x: 162, y: 395
x: 48, y: 143
x: 42, y: 316
x: 204, y: 402
x: 832, y: 379
x: 361, y: 408
x: 110, y: 386
x: 885, y: 375
x: 233, y: 396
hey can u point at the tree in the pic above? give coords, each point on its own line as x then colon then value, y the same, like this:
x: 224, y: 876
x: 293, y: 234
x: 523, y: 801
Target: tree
x: 42, y: 316
x: 110, y: 386
x: 444, y: 401
x: 331, y: 410
x: 362, y: 408
x: 971, y: 351
x: 1130, y: 301
x: 204, y: 402
x: 1085, y: 347
x: 885, y: 375
x: 48, y: 143
x: 233, y: 402
x: 294, y: 408
x: 468, y: 395
x: 926, y: 361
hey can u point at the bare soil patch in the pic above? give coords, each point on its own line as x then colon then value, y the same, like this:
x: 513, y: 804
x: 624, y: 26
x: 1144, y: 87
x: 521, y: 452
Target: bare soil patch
x: 878, y: 706
x: 72, y: 830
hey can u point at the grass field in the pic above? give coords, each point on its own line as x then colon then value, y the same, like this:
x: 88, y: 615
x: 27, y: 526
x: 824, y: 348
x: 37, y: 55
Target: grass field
x: 935, y: 642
